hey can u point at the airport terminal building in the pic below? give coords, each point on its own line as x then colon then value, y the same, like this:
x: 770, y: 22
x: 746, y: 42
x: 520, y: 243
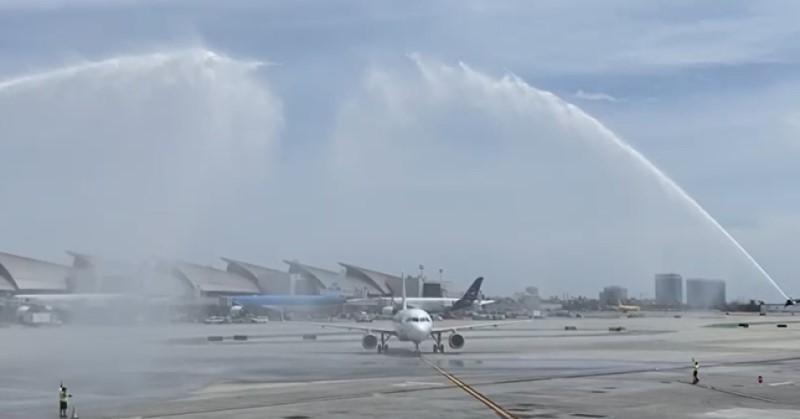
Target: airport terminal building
x: 185, y: 290
x: 22, y: 275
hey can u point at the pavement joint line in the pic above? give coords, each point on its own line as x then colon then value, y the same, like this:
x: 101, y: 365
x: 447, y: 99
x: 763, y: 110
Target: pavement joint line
x: 784, y: 383
x: 731, y: 392
x: 497, y: 409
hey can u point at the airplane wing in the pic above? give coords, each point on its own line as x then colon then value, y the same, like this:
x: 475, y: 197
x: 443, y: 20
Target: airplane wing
x: 475, y: 326
x: 367, y: 329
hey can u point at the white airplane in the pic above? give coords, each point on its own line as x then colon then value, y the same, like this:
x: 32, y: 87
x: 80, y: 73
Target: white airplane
x: 412, y: 325
x: 625, y: 308
x: 430, y: 304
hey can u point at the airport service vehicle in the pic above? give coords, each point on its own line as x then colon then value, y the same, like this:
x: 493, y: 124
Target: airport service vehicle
x: 412, y: 325
x: 215, y: 320
x: 259, y: 319
x: 430, y: 304
x: 36, y: 316
x: 363, y: 317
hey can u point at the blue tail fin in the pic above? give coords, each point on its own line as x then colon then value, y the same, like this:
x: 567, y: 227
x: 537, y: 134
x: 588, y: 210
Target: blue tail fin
x: 470, y: 296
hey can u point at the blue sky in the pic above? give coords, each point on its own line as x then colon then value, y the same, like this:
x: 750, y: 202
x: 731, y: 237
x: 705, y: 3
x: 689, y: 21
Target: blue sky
x: 342, y: 147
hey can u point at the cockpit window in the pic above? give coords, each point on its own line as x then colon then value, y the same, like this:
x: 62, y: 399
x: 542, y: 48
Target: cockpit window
x: 417, y: 319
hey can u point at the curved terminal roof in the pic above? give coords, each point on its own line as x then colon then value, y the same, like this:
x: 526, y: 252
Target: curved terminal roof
x: 208, y: 280
x: 378, y: 280
x: 22, y: 274
x: 332, y: 281
x: 6, y: 282
x: 268, y: 280
x: 98, y: 274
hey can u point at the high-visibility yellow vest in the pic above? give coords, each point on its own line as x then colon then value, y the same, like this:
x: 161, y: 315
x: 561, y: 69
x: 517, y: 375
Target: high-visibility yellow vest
x: 62, y: 396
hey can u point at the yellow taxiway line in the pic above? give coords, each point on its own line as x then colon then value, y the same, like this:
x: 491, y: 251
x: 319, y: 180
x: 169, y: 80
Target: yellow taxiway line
x: 496, y: 408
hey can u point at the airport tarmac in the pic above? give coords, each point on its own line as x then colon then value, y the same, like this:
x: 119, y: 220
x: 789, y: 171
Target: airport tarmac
x: 529, y: 370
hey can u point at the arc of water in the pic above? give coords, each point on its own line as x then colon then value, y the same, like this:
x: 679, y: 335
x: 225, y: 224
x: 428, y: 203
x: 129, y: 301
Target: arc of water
x: 571, y: 110
x: 667, y: 182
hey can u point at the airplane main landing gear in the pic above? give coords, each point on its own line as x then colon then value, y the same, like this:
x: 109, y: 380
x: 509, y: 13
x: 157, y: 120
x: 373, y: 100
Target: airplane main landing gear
x: 383, y: 347
x: 437, y: 346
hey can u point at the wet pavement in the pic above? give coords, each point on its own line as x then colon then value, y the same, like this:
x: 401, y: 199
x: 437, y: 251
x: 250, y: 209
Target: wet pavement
x: 532, y: 370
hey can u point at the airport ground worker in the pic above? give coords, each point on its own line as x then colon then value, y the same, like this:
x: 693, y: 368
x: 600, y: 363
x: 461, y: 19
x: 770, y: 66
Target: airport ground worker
x: 695, y: 371
x: 63, y: 397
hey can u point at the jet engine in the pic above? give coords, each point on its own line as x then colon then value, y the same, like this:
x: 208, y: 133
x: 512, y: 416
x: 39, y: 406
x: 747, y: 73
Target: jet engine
x: 456, y: 341
x: 369, y: 342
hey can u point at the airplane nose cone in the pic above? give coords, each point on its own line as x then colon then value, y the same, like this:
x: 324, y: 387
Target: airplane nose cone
x: 422, y: 331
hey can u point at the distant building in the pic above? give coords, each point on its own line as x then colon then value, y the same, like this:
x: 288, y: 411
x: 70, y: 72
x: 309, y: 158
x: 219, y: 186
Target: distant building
x: 613, y: 295
x: 669, y: 289
x: 705, y: 293
x: 530, y: 299
x: 432, y: 289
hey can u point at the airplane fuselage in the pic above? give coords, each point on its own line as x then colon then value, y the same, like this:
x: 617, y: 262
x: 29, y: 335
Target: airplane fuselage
x: 413, y: 325
x: 429, y: 304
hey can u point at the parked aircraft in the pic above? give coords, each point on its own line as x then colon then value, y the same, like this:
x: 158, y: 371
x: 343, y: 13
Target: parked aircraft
x: 283, y: 300
x: 625, y: 308
x: 430, y: 304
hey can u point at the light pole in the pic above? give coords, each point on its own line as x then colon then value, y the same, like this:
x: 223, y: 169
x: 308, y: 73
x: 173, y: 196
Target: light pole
x: 419, y: 282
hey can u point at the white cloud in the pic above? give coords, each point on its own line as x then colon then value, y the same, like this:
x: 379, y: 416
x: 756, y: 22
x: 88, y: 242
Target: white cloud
x: 594, y: 96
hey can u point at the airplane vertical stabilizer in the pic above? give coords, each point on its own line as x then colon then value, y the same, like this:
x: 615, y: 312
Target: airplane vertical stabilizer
x: 470, y: 296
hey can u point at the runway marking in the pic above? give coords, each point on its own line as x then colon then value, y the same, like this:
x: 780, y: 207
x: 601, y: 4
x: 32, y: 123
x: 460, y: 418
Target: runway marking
x: 415, y: 383
x: 781, y: 384
x: 496, y: 408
